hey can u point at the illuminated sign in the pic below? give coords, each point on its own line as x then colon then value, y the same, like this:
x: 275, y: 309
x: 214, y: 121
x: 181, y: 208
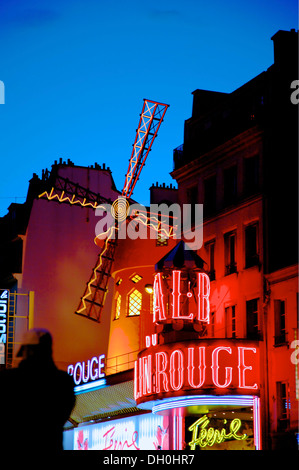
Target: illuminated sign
x: 4, y: 299
x: 140, y: 432
x: 197, y: 301
x: 203, y: 436
x: 84, y: 372
x: 220, y: 365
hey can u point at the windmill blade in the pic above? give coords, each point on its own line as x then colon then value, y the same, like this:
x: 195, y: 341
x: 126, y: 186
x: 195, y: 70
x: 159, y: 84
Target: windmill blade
x: 63, y: 190
x: 150, y: 120
x: 93, y: 299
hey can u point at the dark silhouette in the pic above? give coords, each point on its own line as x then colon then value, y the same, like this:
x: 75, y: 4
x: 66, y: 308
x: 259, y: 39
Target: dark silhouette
x: 36, y: 399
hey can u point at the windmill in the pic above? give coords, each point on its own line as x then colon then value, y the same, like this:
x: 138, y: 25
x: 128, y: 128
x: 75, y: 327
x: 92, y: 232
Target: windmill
x: 64, y: 191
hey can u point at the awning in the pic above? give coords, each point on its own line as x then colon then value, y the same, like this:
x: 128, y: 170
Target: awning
x: 114, y: 399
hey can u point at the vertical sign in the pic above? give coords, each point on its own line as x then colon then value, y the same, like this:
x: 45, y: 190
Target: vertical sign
x: 4, y: 299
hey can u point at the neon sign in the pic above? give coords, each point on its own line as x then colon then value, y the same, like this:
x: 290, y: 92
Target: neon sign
x: 90, y: 371
x: 203, y: 436
x: 169, y: 369
x: 112, y: 442
x: 140, y: 432
x: 4, y: 299
x: 200, y: 301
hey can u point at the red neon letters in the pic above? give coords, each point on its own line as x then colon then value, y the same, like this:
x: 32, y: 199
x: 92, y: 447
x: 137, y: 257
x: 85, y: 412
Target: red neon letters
x: 191, y: 366
x: 215, y: 368
x: 202, y: 301
x: 159, y: 307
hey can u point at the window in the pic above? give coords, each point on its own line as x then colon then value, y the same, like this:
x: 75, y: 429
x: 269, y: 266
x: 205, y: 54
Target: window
x: 251, y: 173
x: 252, y: 319
x: 230, y: 185
x: 135, y: 301
x: 210, y: 249
x: 135, y: 278
x: 117, y: 306
x: 280, y: 322
x: 283, y: 406
x: 230, y: 253
x: 230, y: 322
x: 210, y: 195
x: 251, y: 246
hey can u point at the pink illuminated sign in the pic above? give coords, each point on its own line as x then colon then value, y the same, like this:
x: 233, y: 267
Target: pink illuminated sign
x: 200, y: 305
x: 139, y: 432
x: 220, y: 365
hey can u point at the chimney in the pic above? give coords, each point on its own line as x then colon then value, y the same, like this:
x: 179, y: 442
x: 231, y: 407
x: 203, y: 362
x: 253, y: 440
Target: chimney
x: 285, y: 47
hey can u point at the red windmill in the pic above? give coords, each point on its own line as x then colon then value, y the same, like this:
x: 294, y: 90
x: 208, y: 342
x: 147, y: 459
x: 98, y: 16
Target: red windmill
x: 64, y: 191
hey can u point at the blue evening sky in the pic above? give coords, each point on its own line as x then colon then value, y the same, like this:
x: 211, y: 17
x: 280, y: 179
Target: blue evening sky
x: 76, y: 73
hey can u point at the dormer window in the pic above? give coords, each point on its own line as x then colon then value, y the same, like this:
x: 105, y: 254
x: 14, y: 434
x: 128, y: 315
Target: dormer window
x: 135, y: 278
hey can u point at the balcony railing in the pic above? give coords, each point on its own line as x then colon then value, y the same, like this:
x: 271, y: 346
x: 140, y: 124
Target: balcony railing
x: 121, y: 363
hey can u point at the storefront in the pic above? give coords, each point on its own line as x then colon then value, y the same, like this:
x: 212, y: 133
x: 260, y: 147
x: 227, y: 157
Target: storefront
x: 182, y: 397
x: 207, y: 389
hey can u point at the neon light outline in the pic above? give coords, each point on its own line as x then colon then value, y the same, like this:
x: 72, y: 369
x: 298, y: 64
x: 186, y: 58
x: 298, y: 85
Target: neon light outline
x: 158, y: 299
x: 194, y: 400
x: 177, y: 429
x: 191, y: 366
x: 50, y: 196
x: 80, y: 366
x: 201, y: 367
x: 90, y: 386
x: 203, y: 307
x: 242, y: 367
x: 179, y: 369
x: 203, y: 298
x: 257, y: 422
x: 160, y: 372
x: 147, y: 374
x: 149, y: 113
x: 176, y: 295
x: 215, y: 366
x: 136, y: 393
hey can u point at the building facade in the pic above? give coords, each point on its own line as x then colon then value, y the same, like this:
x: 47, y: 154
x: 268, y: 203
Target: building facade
x: 240, y: 160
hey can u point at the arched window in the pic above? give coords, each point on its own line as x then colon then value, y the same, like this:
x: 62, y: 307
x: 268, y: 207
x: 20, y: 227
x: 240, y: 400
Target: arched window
x: 134, y: 304
x: 117, y: 305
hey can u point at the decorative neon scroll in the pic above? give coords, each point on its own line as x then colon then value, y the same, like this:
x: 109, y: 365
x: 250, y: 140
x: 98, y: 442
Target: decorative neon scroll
x: 204, y: 436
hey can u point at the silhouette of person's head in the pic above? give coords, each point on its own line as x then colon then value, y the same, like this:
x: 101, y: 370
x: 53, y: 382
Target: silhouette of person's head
x: 36, y: 345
